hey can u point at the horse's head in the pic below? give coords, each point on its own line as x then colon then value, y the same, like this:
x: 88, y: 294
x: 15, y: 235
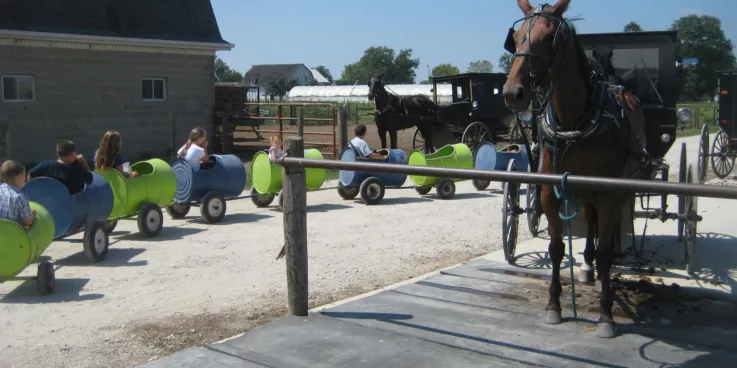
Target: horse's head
x: 536, y: 41
x: 376, y: 86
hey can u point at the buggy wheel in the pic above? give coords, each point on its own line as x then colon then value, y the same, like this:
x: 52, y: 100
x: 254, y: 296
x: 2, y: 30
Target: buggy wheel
x: 534, y: 208
x: 109, y: 226
x: 150, y: 220
x: 510, y: 216
x: 95, y: 242
x: 261, y: 200
x: 422, y: 190
x: 690, y: 227
x: 347, y: 193
x: 446, y: 188
x: 480, y: 184
x: 701, y: 165
x: 682, y: 174
x: 213, y: 207
x: 418, y: 141
x: 722, y: 157
x: 372, y: 191
x: 178, y: 210
x: 476, y: 133
x: 45, y: 278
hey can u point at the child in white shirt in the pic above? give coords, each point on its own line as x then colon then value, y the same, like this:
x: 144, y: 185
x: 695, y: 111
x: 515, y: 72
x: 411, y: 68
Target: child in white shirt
x: 276, y: 151
x: 360, y: 145
x: 195, y: 150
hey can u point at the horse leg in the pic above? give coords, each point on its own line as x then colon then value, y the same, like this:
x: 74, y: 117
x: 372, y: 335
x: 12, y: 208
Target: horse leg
x: 608, y: 213
x: 556, y: 250
x: 382, y: 133
x: 393, y: 137
x: 426, y: 130
x: 586, y: 274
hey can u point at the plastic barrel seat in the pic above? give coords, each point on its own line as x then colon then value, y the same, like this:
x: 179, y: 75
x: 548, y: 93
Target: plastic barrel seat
x: 266, y: 177
x: 487, y: 157
x: 371, y: 186
x: 456, y: 156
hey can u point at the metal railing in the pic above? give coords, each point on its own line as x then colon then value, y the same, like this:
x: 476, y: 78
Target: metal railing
x: 294, y: 194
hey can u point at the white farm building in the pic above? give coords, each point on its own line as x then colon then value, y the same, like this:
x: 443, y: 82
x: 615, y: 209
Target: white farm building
x: 359, y: 93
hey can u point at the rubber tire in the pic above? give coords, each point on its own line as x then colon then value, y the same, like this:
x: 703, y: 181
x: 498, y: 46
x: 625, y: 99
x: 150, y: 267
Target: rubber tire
x: 90, y: 239
x: 45, y: 278
x: 281, y: 200
x: 109, y: 226
x: 422, y: 190
x: 481, y: 184
x: 445, y: 188
x: 205, y: 206
x: 178, y: 211
x: 510, y: 226
x: 143, y: 225
x: 367, y: 186
x: 348, y: 193
x: 261, y: 200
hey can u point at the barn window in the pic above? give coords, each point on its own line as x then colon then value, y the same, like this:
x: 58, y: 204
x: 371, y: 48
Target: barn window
x: 153, y: 89
x: 18, y: 88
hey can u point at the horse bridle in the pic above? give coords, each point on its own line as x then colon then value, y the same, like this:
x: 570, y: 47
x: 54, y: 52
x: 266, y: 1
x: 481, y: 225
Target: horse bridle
x: 511, y: 46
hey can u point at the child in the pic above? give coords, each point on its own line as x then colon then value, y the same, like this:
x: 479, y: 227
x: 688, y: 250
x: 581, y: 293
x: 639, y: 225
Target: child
x: 360, y: 145
x: 195, y: 150
x: 14, y: 205
x: 276, y: 152
x: 108, y: 154
x: 69, y: 168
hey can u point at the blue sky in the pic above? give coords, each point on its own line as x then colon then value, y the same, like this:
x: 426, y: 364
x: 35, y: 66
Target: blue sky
x: 336, y: 32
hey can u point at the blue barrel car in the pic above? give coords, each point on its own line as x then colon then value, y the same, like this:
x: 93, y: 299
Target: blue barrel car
x: 371, y: 186
x: 487, y: 157
x: 85, y: 211
x: 207, y: 188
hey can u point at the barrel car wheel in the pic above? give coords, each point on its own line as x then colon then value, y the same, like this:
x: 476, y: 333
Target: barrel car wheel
x: 96, y: 242
x: 261, y: 200
x: 150, y: 220
x: 481, y: 184
x: 372, y: 191
x: 45, y: 278
x: 446, y: 189
x: 212, y: 207
x: 423, y: 190
x: 347, y: 193
x: 178, y: 210
x: 109, y: 226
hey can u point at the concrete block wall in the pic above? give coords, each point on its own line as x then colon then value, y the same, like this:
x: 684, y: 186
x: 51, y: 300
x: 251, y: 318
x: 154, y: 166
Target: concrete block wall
x: 80, y: 94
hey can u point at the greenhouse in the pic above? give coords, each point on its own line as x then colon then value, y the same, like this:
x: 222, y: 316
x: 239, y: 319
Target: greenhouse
x: 359, y: 93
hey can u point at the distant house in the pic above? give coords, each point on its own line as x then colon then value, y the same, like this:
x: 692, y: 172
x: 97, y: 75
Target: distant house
x: 75, y: 69
x: 261, y: 75
x: 319, y: 78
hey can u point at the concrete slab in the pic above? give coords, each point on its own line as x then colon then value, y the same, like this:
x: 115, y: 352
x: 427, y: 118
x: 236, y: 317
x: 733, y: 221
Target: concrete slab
x: 202, y: 357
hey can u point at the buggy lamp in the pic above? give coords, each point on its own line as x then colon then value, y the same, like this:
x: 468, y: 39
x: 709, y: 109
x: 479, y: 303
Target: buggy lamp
x: 526, y: 116
x: 665, y: 138
x: 684, y: 114
x: 475, y: 104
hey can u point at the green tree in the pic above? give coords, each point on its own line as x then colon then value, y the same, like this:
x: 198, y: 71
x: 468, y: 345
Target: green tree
x: 443, y: 70
x: 505, y: 62
x: 702, y: 37
x: 325, y: 73
x: 632, y: 27
x: 280, y: 87
x: 480, y: 66
x: 223, y: 73
x: 397, y: 68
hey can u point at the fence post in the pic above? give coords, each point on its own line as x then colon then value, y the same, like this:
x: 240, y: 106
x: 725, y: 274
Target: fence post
x: 173, y: 143
x: 301, y: 122
x: 294, y: 191
x: 343, y: 126
x: 4, y: 151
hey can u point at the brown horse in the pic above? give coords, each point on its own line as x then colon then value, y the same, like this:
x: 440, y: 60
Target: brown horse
x: 584, y: 134
x: 398, y: 113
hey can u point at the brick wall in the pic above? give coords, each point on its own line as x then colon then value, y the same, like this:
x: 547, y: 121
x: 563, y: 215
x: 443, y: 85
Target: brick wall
x: 80, y: 94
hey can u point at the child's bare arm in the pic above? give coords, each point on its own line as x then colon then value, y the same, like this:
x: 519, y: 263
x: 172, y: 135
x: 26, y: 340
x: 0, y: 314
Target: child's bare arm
x: 26, y: 212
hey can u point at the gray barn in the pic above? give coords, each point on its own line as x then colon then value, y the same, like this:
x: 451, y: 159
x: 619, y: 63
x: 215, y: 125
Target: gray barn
x: 75, y: 69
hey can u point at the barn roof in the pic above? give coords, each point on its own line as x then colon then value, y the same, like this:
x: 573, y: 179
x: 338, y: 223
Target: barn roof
x: 268, y: 72
x: 170, y: 20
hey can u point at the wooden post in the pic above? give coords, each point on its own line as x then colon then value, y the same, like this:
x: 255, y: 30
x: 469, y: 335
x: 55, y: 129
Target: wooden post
x: 343, y: 127
x: 301, y: 122
x: 4, y: 141
x: 294, y: 192
x: 173, y: 125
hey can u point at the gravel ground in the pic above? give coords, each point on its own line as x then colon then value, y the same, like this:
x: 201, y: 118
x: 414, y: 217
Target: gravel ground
x: 199, y: 283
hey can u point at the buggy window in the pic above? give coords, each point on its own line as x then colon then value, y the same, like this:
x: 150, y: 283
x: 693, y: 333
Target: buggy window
x: 460, y: 90
x: 636, y: 68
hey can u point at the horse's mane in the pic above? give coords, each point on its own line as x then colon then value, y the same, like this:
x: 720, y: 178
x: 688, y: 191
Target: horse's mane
x: 583, y: 60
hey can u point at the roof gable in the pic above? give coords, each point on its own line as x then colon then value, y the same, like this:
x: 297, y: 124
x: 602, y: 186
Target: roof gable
x: 171, y: 20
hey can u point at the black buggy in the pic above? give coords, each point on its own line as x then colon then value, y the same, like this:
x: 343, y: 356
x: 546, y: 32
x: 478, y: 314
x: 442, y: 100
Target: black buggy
x: 724, y: 147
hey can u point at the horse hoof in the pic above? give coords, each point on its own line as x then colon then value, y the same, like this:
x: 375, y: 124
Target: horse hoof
x: 552, y: 317
x: 586, y: 276
x: 606, y: 330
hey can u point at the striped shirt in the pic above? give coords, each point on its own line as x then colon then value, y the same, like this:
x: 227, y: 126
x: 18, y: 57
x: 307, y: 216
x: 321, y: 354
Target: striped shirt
x: 14, y: 205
